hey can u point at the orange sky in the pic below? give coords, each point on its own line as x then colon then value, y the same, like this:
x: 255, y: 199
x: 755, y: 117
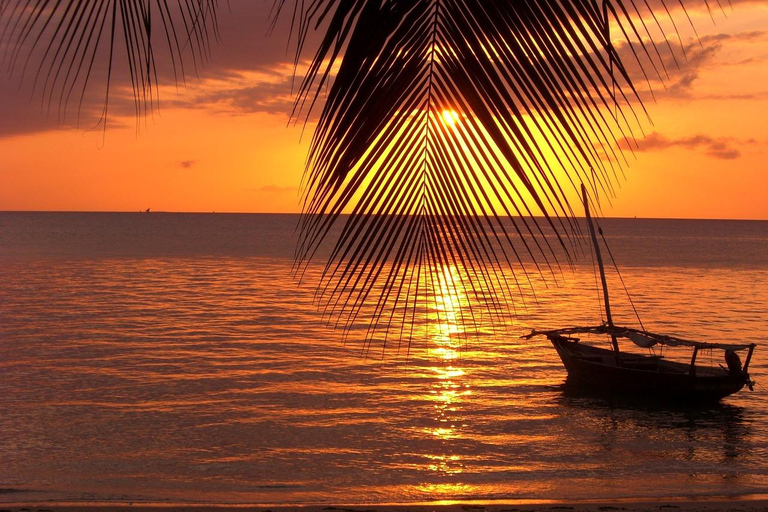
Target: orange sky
x: 223, y: 142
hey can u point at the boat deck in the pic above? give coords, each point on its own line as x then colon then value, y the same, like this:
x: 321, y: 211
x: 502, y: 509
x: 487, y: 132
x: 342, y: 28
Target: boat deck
x: 604, y: 368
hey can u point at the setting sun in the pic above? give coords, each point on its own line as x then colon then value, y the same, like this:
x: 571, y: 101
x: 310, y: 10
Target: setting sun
x: 450, y: 117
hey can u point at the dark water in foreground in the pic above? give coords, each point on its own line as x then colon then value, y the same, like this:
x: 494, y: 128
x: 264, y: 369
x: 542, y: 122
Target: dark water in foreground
x: 173, y: 358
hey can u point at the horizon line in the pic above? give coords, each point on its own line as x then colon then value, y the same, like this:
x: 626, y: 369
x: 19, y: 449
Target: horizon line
x: 215, y: 212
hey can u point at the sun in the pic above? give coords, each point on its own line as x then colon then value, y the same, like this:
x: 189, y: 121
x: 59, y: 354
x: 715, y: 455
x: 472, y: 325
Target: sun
x: 450, y: 117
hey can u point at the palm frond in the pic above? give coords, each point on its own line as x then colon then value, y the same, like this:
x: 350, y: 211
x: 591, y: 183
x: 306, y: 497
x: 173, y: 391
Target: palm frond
x: 448, y: 125
x: 60, y: 45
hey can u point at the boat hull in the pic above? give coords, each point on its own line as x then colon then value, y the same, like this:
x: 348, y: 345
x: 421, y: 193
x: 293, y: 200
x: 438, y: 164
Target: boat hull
x: 645, y: 376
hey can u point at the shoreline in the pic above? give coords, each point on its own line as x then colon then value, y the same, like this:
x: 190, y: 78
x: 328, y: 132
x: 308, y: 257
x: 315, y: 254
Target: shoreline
x: 749, y: 503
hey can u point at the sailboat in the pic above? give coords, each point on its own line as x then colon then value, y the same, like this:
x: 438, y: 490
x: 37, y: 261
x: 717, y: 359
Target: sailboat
x: 650, y: 376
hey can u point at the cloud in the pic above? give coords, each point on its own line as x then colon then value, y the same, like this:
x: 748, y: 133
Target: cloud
x: 245, y: 46
x: 252, y: 71
x: 754, y: 35
x: 703, y: 6
x: 667, y: 68
x: 268, y: 89
x: 23, y: 112
x: 721, y: 148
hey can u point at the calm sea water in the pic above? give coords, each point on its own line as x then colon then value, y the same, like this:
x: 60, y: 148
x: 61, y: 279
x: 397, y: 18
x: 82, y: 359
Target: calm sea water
x: 170, y: 357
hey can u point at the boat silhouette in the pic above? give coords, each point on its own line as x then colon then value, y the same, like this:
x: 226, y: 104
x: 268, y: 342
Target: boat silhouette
x: 615, y: 371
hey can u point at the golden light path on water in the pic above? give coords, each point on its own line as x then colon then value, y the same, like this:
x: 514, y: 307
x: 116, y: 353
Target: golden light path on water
x: 186, y: 368
x: 449, y: 389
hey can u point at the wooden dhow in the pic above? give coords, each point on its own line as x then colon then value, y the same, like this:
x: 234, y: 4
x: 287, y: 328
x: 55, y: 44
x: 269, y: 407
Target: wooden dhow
x: 612, y: 370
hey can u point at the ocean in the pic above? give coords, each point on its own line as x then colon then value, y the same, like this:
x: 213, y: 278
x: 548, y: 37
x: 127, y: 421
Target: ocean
x: 174, y: 358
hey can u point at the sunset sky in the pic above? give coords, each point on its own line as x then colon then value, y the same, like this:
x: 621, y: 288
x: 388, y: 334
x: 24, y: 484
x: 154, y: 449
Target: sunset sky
x: 223, y: 142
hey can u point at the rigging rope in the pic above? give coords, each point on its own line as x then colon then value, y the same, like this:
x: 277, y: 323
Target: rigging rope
x: 597, y: 285
x: 593, y: 255
x: 605, y: 243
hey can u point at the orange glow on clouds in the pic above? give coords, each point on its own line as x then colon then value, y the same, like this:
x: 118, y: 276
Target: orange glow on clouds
x: 198, y: 154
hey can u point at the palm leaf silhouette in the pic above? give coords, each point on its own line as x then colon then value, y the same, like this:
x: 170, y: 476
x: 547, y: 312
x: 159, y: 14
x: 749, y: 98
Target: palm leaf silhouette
x: 63, y: 44
x: 447, y: 126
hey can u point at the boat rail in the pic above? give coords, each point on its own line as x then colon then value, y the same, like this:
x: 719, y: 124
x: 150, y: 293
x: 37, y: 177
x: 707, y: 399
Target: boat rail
x: 627, y: 332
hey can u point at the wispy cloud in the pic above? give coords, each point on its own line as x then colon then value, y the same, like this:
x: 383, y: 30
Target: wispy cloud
x: 722, y: 147
x: 669, y: 66
x: 252, y: 73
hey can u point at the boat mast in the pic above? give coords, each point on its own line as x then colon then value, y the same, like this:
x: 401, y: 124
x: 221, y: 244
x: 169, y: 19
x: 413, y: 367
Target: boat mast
x: 600, y: 266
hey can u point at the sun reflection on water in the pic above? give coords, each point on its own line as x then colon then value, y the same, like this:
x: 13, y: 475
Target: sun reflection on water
x: 449, y: 387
